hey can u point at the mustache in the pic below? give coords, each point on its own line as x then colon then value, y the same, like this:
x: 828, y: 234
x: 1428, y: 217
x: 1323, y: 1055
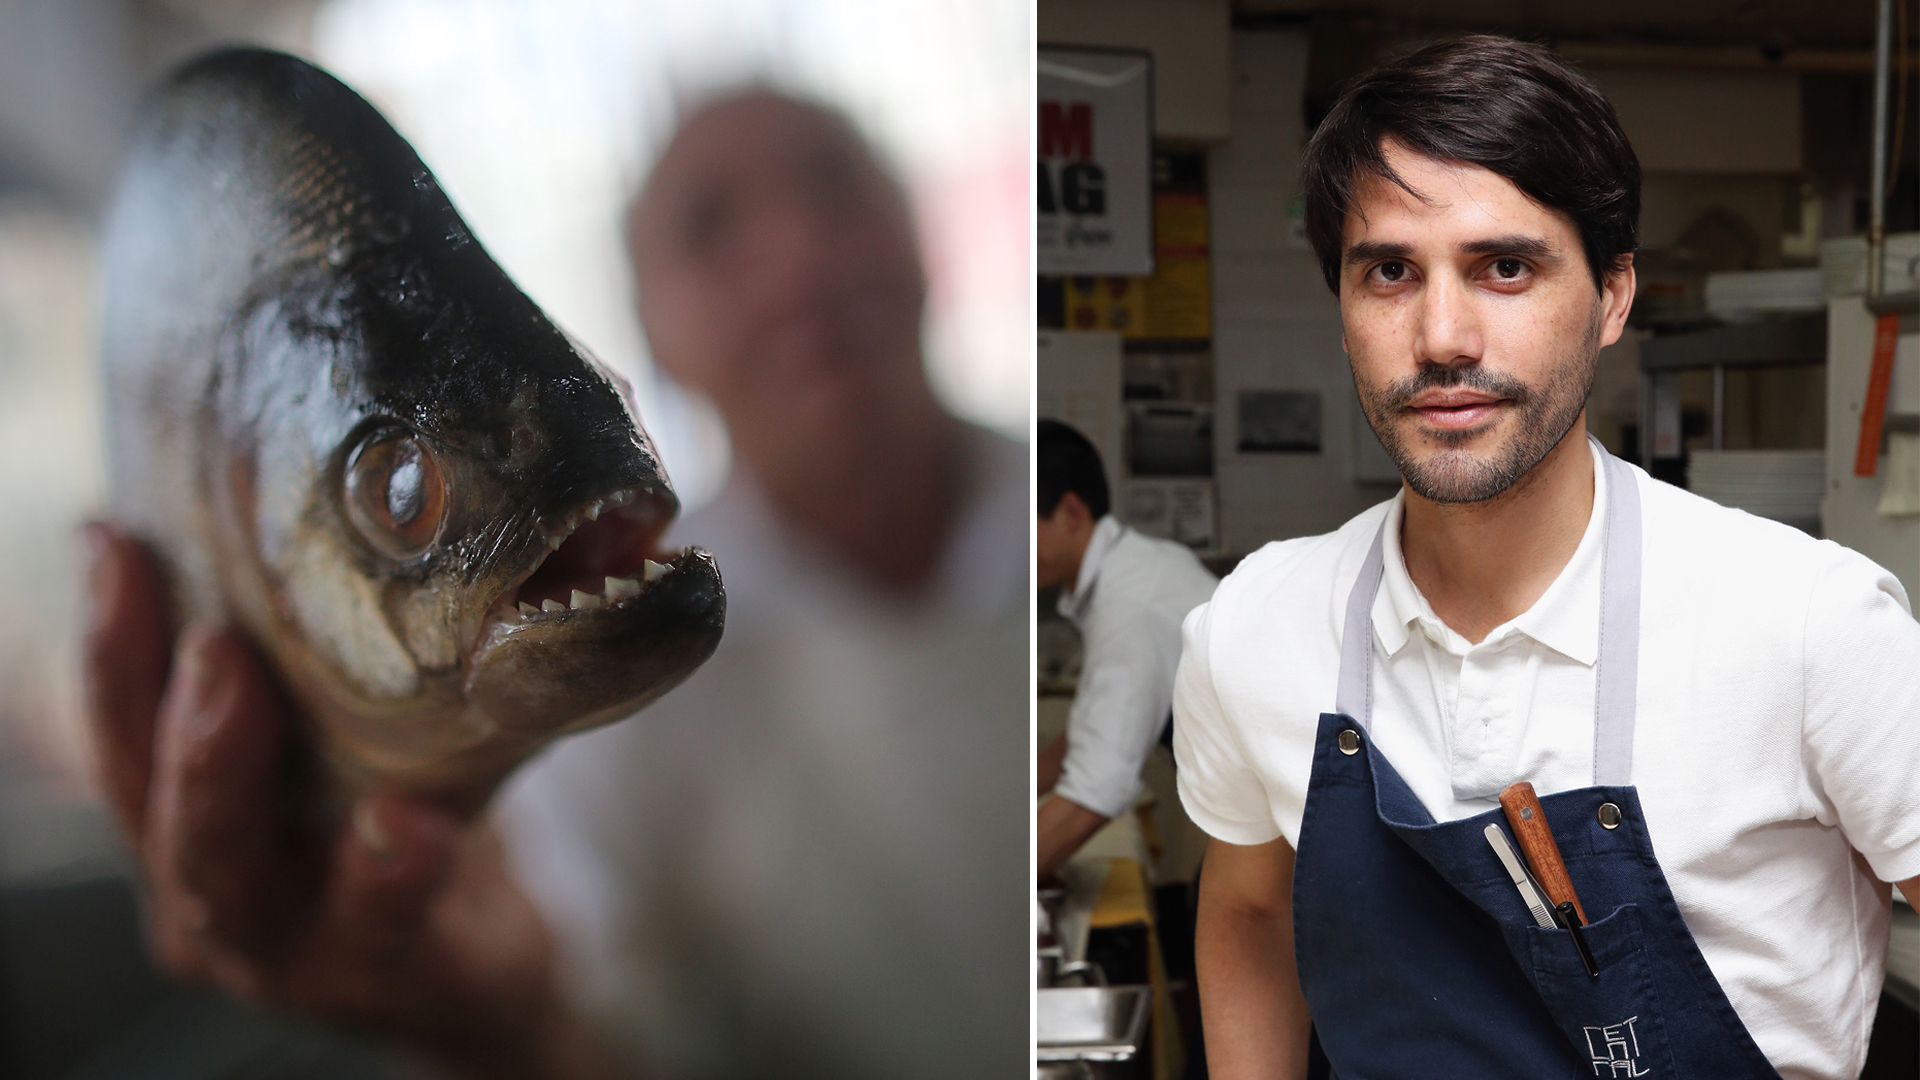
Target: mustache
x: 1400, y: 394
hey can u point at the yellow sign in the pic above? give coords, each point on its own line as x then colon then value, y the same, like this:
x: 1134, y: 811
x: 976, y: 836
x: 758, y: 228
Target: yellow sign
x: 1176, y: 302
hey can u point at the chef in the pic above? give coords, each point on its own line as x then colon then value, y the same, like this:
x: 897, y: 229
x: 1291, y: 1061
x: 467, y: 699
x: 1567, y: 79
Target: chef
x: 1126, y: 592
x: 1721, y: 714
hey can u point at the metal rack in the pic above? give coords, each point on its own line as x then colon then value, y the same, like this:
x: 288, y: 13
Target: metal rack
x: 1798, y: 340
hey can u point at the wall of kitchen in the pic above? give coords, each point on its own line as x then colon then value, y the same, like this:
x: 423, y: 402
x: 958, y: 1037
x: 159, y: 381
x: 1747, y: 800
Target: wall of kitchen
x: 1751, y: 164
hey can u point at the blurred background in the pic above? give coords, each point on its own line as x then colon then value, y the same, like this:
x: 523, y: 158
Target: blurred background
x: 539, y: 118
x: 1209, y: 372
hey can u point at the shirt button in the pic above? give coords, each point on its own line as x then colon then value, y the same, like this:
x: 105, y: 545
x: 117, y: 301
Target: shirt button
x: 1349, y: 741
x: 1609, y: 816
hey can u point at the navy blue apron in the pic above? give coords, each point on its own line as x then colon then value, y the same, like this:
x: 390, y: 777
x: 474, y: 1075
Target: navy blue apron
x: 1416, y: 954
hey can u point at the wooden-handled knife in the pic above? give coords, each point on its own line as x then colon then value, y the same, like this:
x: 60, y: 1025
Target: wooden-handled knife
x: 1530, y: 828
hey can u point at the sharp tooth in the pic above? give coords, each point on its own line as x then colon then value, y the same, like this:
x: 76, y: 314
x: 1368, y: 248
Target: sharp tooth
x: 619, y: 497
x: 554, y: 542
x: 655, y: 571
x: 573, y: 521
x: 528, y: 609
x: 619, y: 588
x: 551, y: 605
x: 587, y: 601
x: 593, y: 512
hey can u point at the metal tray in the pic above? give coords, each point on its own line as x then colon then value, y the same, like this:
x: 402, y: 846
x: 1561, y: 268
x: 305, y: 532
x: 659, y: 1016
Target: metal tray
x: 1092, y: 1023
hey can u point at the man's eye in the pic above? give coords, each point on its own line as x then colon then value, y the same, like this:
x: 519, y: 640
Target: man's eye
x: 1391, y: 271
x: 1508, y: 268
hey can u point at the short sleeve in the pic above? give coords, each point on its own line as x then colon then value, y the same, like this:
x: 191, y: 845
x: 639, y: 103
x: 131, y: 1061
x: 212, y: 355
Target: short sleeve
x: 1862, y: 714
x: 1119, y: 708
x: 1218, y: 786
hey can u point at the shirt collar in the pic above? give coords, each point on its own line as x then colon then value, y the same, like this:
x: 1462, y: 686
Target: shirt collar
x: 1106, y: 532
x: 1565, y: 619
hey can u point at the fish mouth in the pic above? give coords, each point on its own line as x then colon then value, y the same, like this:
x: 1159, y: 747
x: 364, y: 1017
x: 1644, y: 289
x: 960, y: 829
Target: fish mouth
x: 601, y: 572
x: 603, y: 623
x: 600, y: 556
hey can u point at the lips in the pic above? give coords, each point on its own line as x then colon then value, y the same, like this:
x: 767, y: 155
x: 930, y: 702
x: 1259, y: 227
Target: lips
x: 1455, y: 409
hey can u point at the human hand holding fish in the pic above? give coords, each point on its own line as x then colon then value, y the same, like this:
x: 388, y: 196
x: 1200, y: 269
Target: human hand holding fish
x: 405, y: 924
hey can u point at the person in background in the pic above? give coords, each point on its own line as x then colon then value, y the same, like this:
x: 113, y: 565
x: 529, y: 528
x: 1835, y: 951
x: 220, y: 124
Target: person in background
x: 1127, y: 593
x: 810, y: 860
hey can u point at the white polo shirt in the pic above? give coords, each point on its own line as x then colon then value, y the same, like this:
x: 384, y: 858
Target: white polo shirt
x: 1131, y: 594
x: 811, y: 859
x: 1777, y: 732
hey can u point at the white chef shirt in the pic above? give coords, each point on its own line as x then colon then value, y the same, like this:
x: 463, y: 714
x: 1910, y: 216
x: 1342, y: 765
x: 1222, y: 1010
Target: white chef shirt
x: 1777, y: 731
x: 1128, y: 600
x: 812, y: 858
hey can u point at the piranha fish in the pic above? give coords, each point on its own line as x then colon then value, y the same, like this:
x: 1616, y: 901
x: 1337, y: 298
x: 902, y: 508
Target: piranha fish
x: 344, y: 429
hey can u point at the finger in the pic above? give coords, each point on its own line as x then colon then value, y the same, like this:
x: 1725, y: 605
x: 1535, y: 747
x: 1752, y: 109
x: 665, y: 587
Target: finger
x: 176, y: 927
x: 125, y: 657
x: 218, y: 826
x: 389, y: 868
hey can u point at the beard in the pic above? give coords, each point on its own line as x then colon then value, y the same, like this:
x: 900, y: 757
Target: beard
x: 1455, y: 474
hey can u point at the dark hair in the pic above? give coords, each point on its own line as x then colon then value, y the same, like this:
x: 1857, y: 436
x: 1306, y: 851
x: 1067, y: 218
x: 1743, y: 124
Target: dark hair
x: 1068, y: 462
x: 1505, y: 105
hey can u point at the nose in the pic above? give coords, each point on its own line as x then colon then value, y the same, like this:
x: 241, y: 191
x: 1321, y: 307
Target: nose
x: 786, y: 255
x: 1449, y: 330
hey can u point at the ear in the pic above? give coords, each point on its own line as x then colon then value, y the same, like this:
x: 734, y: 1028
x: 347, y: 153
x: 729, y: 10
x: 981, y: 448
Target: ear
x: 1074, y: 507
x: 1616, y: 300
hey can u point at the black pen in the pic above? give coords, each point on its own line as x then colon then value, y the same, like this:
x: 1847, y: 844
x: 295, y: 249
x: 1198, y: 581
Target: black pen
x: 1568, y: 918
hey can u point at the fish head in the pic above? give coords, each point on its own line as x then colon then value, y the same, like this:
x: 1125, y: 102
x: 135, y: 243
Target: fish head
x: 438, y: 513
x: 469, y: 552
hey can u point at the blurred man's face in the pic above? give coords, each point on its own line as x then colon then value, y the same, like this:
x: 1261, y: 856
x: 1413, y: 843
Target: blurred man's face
x: 1472, y: 323
x: 778, y: 274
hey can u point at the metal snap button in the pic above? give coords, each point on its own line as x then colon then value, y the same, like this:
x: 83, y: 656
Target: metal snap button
x: 1349, y: 741
x: 1609, y: 816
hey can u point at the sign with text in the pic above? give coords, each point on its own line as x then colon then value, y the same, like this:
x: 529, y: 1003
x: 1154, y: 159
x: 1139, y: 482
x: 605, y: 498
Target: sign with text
x: 1095, y: 186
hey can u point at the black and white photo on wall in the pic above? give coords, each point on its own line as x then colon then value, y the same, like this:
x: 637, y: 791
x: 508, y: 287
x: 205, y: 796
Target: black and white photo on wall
x: 1279, y: 421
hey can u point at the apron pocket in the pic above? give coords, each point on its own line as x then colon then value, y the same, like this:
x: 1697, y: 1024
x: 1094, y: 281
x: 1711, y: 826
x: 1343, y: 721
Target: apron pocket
x: 1614, y: 1020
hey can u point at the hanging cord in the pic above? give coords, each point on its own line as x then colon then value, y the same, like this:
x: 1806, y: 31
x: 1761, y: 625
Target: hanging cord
x: 1900, y: 101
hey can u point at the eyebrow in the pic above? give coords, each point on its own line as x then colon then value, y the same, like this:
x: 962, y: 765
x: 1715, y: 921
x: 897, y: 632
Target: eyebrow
x: 1369, y: 250
x: 1531, y: 247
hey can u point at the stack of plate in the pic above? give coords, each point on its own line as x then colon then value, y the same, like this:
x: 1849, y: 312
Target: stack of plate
x: 1784, y: 485
x: 1843, y: 264
x: 1746, y: 295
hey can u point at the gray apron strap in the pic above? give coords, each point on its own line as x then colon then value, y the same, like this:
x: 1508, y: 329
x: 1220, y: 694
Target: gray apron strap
x: 1353, y: 698
x: 1616, y: 670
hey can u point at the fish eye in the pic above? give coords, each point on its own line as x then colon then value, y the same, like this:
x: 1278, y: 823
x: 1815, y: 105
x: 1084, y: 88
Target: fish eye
x: 396, y: 493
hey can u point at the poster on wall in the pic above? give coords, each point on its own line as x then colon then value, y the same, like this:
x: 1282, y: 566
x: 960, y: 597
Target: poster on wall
x: 1279, y: 421
x: 1179, y: 510
x: 1094, y: 192
x: 1176, y: 302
